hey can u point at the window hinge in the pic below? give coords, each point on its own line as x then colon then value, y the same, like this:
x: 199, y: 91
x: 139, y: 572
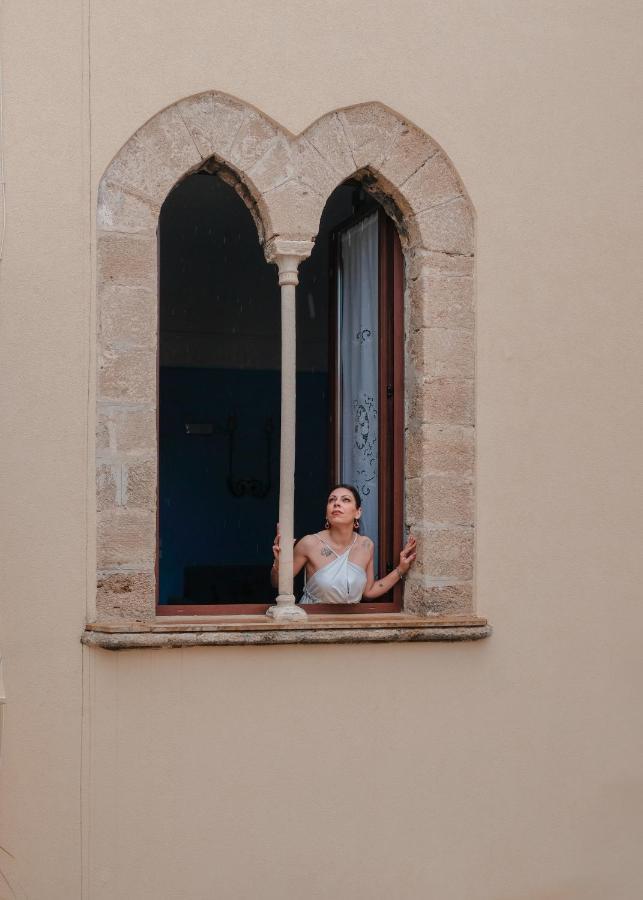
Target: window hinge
x: 389, y: 391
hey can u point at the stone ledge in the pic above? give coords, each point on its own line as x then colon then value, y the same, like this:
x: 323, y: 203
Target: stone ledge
x: 236, y: 630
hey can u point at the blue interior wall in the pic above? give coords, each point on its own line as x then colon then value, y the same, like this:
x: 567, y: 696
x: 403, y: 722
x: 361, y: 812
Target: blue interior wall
x: 201, y: 522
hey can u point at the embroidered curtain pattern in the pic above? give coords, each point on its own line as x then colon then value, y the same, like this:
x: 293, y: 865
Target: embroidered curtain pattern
x: 358, y: 342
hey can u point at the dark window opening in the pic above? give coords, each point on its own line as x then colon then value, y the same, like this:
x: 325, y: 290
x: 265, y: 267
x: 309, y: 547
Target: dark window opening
x: 219, y: 393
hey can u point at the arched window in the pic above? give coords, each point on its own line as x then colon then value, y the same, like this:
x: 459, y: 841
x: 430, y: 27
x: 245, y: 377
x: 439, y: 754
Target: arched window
x: 371, y: 157
x: 219, y: 392
x: 352, y: 292
x: 219, y: 361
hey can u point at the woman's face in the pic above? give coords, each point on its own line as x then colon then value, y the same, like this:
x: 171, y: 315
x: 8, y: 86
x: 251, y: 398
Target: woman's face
x: 341, y: 508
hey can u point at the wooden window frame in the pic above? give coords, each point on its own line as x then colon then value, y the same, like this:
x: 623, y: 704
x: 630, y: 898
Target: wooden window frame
x: 390, y: 291
x: 390, y: 426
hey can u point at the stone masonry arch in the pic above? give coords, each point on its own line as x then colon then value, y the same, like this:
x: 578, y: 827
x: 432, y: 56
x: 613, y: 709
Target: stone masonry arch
x: 285, y: 181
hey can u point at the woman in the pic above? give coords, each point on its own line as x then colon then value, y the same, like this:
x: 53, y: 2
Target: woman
x: 339, y: 562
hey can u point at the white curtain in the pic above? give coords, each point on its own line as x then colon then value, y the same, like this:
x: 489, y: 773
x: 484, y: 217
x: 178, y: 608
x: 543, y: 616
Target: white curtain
x: 358, y: 343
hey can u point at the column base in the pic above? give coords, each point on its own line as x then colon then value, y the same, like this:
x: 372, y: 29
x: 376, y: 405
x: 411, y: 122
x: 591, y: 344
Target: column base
x: 286, y: 610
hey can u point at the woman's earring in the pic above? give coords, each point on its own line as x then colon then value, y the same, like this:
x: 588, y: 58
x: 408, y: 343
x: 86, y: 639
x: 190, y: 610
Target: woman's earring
x: 355, y: 524
x: 326, y: 524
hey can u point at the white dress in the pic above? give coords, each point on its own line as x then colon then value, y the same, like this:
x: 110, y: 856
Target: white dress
x: 341, y: 581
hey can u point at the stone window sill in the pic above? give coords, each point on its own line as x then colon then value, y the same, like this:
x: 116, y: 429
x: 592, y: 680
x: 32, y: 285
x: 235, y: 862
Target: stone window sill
x: 186, y: 631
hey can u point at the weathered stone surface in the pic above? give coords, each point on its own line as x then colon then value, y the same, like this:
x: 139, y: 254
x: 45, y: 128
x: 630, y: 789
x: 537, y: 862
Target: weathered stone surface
x: 447, y: 228
x: 128, y: 316
x: 445, y: 552
x: 139, y: 483
x: 439, y: 499
x: 126, y: 537
x: 312, y: 169
x: 432, y: 600
x: 433, y: 183
x: 294, y: 211
x: 252, y: 141
x: 125, y: 430
x: 444, y: 352
x: 443, y: 401
x: 108, y: 486
x: 160, y: 153
x: 118, y: 210
x: 279, y: 246
x: 421, y: 262
x: 227, y: 117
x: 102, y: 435
x: 410, y: 149
x: 256, y: 207
x: 414, y: 501
x: 441, y: 301
x: 197, y: 114
x: 371, y: 130
x: 136, y: 640
x: 275, y: 167
x: 127, y: 375
x: 127, y: 595
x: 126, y: 259
x: 213, y: 120
x: 327, y: 135
x: 441, y: 450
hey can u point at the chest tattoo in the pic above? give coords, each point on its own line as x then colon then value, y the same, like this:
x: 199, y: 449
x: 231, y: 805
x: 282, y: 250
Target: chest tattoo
x: 326, y: 551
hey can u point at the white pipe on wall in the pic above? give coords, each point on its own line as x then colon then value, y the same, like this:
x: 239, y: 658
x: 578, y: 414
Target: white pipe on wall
x: 3, y: 197
x: 3, y: 700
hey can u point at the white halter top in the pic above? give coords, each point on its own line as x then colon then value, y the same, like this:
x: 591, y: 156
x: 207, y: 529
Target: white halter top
x: 341, y: 581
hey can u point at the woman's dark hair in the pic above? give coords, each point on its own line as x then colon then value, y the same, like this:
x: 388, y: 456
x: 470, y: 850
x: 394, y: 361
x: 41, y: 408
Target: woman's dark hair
x: 352, y: 489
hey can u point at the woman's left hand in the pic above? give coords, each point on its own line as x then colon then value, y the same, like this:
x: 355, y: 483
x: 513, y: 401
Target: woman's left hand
x: 407, y: 556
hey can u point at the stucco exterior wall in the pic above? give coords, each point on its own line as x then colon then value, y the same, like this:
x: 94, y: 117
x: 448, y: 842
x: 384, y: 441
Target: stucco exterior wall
x: 507, y: 769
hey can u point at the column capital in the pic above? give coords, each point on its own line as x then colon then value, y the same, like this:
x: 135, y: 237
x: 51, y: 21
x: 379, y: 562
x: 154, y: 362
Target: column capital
x: 278, y: 246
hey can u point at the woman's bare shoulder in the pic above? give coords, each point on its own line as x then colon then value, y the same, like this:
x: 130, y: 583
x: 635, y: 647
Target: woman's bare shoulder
x: 366, y: 543
x: 307, y: 542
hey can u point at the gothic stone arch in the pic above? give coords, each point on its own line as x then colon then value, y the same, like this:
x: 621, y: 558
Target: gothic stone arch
x: 285, y: 180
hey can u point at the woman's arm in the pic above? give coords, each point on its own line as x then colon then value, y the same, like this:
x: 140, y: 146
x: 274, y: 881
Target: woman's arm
x: 383, y: 585
x: 300, y: 557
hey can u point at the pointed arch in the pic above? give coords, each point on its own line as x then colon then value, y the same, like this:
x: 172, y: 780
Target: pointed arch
x: 285, y: 181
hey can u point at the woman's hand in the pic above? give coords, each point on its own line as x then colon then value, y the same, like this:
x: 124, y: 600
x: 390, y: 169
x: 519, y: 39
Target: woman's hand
x: 299, y: 558
x: 375, y: 589
x: 276, y: 549
x: 407, y: 556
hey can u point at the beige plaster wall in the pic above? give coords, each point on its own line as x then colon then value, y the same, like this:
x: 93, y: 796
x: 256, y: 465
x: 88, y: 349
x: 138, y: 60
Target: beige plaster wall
x: 503, y: 770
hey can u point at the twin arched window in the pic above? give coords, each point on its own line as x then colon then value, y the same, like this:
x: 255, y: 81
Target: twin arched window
x: 285, y: 183
x: 219, y: 392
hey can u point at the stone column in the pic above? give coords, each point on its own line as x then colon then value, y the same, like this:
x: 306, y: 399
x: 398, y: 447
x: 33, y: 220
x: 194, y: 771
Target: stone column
x: 287, y: 255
